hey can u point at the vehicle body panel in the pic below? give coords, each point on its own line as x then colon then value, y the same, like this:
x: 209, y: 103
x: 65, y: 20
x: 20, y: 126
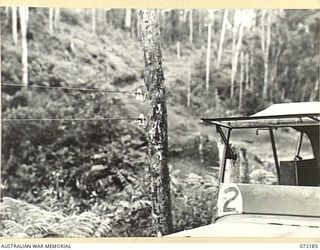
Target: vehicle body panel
x: 252, y: 225
x: 276, y: 199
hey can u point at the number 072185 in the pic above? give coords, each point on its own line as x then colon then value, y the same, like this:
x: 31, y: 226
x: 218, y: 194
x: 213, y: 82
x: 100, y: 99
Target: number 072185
x: 309, y: 246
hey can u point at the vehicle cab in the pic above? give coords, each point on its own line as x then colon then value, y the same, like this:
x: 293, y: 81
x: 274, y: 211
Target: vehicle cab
x: 278, y: 194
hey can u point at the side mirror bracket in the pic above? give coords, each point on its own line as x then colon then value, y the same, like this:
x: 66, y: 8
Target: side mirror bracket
x: 230, y: 154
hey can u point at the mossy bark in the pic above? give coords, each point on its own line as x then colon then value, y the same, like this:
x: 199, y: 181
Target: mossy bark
x: 156, y: 121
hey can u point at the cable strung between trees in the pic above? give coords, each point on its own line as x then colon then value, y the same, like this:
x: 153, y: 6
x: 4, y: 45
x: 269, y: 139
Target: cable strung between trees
x: 71, y: 88
x: 71, y: 119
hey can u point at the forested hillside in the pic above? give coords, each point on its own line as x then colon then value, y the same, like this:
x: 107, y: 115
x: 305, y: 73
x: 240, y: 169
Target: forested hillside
x: 87, y: 175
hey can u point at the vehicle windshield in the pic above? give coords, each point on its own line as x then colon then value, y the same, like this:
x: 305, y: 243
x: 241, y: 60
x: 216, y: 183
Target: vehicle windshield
x: 256, y: 162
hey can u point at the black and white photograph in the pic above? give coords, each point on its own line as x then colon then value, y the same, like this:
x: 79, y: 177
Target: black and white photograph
x: 172, y: 123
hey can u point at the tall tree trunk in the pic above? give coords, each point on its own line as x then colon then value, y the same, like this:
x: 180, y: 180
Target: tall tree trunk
x: 138, y: 28
x: 315, y: 95
x: 241, y: 79
x: 247, y: 73
x: 234, y: 38
x: 185, y: 14
x: 237, y: 171
x: 223, y: 31
x: 283, y: 93
x: 208, y: 57
x: 164, y: 37
x: 217, y: 100
x: 56, y: 17
x: 191, y: 26
x: 266, y: 59
x: 7, y: 11
x: 127, y: 22
x: 233, y: 52
x: 252, y: 83
x: 200, y: 149
x: 100, y: 16
x: 14, y: 25
x: 93, y: 20
x: 157, y: 121
x: 274, y: 74
x: 211, y: 20
x: 220, y: 146
x: 244, y: 166
x: 134, y: 25
x: 108, y: 20
x: 235, y: 59
x: 232, y: 170
x: 51, y: 21
x: 263, y: 43
x: 24, y: 61
x: 27, y: 16
x: 178, y: 49
x: 189, y: 84
x: 315, y: 92
x: 303, y: 93
x: 200, y: 23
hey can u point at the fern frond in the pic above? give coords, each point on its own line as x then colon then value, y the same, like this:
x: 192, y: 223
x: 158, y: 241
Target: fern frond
x: 21, y: 235
x: 121, y: 177
x: 36, y: 230
x: 104, y: 228
x: 193, y: 179
x: 76, y: 233
x: 12, y: 228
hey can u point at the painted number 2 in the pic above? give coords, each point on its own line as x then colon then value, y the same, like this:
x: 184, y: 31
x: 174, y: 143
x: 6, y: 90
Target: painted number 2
x: 235, y: 194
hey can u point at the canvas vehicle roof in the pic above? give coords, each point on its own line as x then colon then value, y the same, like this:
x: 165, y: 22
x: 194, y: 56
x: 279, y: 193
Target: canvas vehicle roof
x: 302, y: 108
x: 277, y: 115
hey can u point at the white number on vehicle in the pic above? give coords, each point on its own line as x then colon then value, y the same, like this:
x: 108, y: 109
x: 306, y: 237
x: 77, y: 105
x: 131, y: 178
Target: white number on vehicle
x: 232, y: 198
x: 229, y: 200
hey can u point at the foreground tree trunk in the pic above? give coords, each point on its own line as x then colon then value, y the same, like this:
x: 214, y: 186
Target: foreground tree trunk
x: 24, y: 61
x: 157, y: 121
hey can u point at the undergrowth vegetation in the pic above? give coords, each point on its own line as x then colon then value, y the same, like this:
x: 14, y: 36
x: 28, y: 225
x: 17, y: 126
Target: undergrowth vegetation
x: 129, y: 214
